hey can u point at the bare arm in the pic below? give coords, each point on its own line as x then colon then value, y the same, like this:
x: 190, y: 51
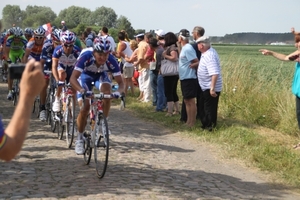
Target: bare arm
x: 279, y: 56
x: 194, y: 63
x: 31, y: 84
x: 173, y: 57
x: 54, y: 68
x: 120, y: 50
x: 26, y: 55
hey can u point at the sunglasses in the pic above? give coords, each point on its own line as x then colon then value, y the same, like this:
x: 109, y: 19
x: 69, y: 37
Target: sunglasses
x: 68, y: 45
x: 39, y: 37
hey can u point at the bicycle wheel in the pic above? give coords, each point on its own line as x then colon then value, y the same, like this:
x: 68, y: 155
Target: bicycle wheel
x: 101, y: 148
x: 70, y: 124
x: 87, y: 149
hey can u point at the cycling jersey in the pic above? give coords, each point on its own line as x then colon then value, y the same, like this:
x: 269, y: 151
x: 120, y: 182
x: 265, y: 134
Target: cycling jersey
x: 2, y: 134
x: 47, y: 52
x: 90, y: 73
x: 86, y: 64
x: 16, y: 49
x: 65, y: 62
x: 35, y: 50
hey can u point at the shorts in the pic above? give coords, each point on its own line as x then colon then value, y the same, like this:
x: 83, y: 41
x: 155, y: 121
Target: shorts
x: 189, y: 88
x: 128, y: 72
x: 87, y: 81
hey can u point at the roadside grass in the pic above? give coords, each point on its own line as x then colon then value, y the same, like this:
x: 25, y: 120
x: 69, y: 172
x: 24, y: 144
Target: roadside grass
x: 253, y: 145
x: 256, y: 123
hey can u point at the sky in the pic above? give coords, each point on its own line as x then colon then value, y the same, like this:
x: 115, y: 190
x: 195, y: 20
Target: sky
x: 218, y: 17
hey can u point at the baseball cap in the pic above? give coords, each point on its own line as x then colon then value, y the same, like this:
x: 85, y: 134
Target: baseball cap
x: 184, y: 33
x: 203, y: 39
x: 160, y: 32
x: 140, y: 35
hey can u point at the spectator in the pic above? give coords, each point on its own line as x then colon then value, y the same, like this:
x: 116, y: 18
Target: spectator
x: 188, y: 63
x: 197, y: 33
x: 210, y: 81
x: 63, y: 26
x: 170, y: 82
x: 104, y: 34
x: 89, y: 37
x: 134, y: 47
x: 12, y: 138
x: 124, y: 49
x: 143, y: 66
x: 161, y: 98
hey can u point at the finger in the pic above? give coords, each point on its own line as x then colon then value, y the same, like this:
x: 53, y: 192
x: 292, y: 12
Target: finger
x: 29, y: 65
x: 38, y: 66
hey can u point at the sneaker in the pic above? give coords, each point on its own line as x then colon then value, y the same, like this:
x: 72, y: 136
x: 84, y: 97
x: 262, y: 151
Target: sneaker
x: 79, y: 147
x: 43, y: 115
x: 9, y: 96
x: 56, y: 106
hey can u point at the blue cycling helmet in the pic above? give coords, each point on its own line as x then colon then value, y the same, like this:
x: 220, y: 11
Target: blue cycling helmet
x: 39, y: 31
x: 102, y: 45
x: 68, y: 37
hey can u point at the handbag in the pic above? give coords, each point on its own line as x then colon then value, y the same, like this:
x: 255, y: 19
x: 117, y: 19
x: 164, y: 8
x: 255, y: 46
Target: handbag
x: 168, y: 68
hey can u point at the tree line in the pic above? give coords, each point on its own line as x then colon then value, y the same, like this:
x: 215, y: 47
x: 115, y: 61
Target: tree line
x: 76, y: 18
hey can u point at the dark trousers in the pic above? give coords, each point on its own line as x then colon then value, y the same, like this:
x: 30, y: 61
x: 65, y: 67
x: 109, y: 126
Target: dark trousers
x: 200, y: 104
x: 209, y: 118
x: 298, y: 110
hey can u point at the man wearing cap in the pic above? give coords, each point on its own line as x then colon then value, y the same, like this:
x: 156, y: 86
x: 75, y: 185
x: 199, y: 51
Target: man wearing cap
x: 210, y: 81
x: 143, y: 66
x: 188, y: 63
x: 64, y: 27
x: 198, y: 32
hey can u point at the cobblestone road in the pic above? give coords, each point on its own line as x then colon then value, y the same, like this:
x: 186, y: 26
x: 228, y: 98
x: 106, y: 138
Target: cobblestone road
x: 146, y: 162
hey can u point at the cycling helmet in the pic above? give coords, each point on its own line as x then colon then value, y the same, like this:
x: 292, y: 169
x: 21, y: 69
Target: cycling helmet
x: 28, y: 31
x: 55, y: 35
x: 68, y: 37
x: 39, y: 31
x: 102, y: 45
x: 18, y: 32
x: 10, y: 31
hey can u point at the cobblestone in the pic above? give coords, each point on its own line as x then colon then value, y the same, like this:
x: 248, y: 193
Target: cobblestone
x: 146, y: 161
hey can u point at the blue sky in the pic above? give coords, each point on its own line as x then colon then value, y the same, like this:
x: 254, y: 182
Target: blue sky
x: 218, y: 17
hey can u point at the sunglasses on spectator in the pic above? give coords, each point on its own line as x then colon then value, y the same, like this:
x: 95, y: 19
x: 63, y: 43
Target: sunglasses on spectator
x: 68, y: 45
x: 39, y: 37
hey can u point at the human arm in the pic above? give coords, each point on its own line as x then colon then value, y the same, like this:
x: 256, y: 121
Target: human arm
x: 172, y: 57
x: 132, y: 57
x: 280, y: 56
x: 26, y: 55
x: 54, y: 68
x: 121, y: 47
x: 214, y: 79
x: 140, y: 55
x: 31, y: 84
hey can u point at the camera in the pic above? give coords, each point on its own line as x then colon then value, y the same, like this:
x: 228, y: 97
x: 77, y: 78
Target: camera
x: 16, y: 70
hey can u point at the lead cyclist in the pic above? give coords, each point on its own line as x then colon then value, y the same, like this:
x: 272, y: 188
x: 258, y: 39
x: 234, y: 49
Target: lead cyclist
x: 92, y: 66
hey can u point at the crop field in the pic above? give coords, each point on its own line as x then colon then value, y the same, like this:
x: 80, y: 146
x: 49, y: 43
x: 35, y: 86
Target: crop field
x: 257, y: 88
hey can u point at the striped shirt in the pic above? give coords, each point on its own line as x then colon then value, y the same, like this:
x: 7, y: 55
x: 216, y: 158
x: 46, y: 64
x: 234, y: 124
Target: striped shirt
x: 209, y: 65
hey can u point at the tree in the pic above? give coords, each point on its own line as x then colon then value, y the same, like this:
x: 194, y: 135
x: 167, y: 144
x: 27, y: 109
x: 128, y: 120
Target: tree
x: 38, y: 15
x: 75, y: 15
x: 104, y: 16
x: 123, y: 23
x: 12, y: 14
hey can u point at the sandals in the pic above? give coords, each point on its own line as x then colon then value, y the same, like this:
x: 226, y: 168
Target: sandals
x: 169, y: 114
x: 176, y: 113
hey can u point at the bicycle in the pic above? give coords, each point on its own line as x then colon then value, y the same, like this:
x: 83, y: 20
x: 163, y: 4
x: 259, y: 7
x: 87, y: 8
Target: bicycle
x: 49, y: 101
x: 16, y: 70
x: 98, y: 137
x: 66, y: 119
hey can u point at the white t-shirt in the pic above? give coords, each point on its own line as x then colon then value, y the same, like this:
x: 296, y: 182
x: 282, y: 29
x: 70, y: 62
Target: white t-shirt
x: 112, y: 41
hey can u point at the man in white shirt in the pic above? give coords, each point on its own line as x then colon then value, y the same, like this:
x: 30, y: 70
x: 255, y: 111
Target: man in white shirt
x: 104, y: 34
x: 210, y: 80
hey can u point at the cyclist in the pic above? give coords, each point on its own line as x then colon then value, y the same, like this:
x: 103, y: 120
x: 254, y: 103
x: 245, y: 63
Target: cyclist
x: 14, y: 49
x: 28, y: 32
x: 63, y: 60
x: 35, y: 45
x: 46, y: 61
x: 92, y: 66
